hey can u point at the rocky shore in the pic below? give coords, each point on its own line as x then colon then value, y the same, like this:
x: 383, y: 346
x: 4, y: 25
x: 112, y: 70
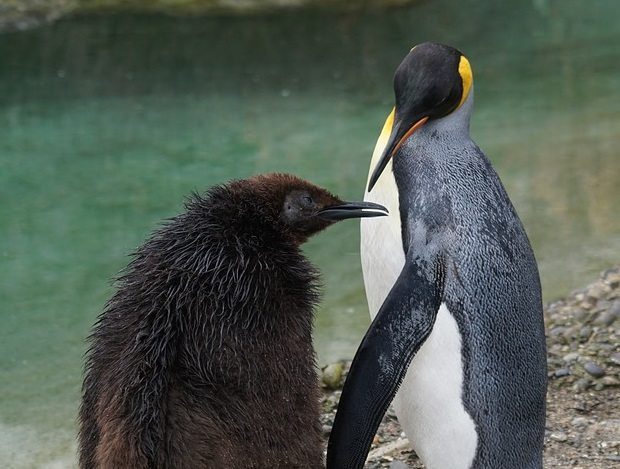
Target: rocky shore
x: 583, y: 399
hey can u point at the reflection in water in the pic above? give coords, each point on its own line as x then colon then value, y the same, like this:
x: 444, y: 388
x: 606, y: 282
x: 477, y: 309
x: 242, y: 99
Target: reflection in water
x: 105, y: 123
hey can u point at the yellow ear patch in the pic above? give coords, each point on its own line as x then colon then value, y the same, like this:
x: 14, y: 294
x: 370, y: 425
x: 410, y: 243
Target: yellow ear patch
x: 467, y: 76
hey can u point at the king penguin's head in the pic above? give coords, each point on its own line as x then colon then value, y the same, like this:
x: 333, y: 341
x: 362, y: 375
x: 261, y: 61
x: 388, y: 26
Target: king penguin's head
x: 292, y: 206
x: 432, y: 81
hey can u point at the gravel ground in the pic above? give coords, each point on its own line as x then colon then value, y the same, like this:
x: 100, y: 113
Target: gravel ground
x: 583, y: 401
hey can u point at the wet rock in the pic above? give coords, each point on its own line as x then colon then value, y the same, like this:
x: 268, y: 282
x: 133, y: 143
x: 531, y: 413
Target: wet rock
x: 594, y: 369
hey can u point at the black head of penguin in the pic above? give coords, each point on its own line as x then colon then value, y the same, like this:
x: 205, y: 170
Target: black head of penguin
x: 432, y: 81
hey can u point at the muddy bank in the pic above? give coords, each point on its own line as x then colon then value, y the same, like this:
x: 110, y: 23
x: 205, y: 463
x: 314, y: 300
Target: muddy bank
x: 583, y: 402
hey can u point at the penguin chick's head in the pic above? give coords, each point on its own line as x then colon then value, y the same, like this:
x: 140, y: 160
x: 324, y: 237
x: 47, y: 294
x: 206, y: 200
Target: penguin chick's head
x: 432, y: 81
x: 300, y: 209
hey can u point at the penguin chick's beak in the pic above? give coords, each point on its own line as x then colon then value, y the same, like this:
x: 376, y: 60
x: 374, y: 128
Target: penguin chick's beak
x: 352, y: 210
x: 400, y: 134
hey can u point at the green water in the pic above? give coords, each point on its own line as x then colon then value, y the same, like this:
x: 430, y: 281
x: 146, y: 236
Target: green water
x: 107, y: 122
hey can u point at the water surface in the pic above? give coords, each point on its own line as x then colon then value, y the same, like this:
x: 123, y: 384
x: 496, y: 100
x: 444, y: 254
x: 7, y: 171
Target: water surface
x: 106, y: 123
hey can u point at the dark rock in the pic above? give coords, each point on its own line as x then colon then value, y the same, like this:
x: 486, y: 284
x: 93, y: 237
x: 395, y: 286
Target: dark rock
x: 594, y: 369
x: 561, y: 372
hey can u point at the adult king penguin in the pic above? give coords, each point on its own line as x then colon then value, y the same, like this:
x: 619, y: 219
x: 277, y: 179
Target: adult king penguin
x: 453, y: 286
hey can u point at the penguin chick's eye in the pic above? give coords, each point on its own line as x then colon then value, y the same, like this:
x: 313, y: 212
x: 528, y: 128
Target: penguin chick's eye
x: 298, y: 205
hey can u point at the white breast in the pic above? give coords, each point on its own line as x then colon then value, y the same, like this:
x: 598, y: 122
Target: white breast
x: 428, y: 404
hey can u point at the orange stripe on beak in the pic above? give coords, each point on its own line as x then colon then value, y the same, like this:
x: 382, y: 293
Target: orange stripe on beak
x: 413, y: 128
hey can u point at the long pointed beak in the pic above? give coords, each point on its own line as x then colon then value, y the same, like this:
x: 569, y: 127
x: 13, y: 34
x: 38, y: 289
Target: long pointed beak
x: 399, y: 135
x: 353, y: 210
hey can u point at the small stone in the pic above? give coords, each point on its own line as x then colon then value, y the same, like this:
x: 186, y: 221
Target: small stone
x: 560, y: 373
x: 594, y: 369
x: 597, y: 291
x: 605, y: 319
x: 599, y: 386
x: 558, y: 436
x: 570, y: 357
x: 376, y: 440
x: 556, y: 331
x: 582, y: 384
x: 326, y: 429
x: 571, y: 333
x: 579, y: 422
x: 610, y: 381
x: 398, y: 465
x: 585, y: 332
x: 580, y: 314
x: 615, y: 358
x: 332, y: 375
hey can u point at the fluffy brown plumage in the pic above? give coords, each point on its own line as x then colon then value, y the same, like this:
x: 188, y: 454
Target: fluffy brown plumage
x: 203, y: 358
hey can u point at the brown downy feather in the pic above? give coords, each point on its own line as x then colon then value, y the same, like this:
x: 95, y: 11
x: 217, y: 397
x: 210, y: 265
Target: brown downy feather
x: 203, y: 358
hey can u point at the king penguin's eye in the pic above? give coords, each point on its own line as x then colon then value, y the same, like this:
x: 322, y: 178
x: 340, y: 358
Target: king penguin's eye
x: 308, y: 200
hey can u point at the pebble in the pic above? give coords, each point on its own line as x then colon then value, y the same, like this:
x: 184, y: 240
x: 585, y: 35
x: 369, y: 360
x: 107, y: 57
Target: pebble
x: 615, y: 358
x: 597, y: 291
x: 582, y: 384
x: 606, y: 319
x: 561, y: 372
x: 610, y: 381
x: 558, y: 436
x: 594, y: 369
x: 579, y: 422
x: 398, y: 465
x: 570, y: 357
x: 332, y: 375
x: 585, y: 332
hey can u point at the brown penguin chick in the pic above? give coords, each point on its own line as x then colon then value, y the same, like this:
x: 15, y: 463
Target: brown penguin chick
x: 203, y: 358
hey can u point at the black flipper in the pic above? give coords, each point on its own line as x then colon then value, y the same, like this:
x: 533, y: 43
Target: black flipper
x: 400, y: 328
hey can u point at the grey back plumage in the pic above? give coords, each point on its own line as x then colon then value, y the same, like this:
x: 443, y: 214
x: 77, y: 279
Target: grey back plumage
x: 451, y: 196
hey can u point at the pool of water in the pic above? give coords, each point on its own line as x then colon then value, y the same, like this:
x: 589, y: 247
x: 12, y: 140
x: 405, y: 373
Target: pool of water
x: 106, y: 123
